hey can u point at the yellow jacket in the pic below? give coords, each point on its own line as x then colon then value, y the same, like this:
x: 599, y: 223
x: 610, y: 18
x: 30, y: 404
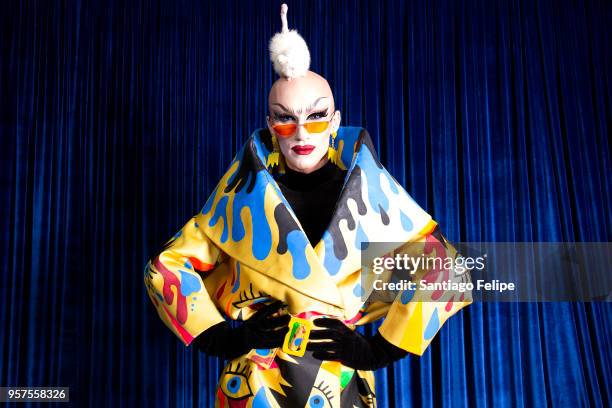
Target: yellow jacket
x: 246, y: 246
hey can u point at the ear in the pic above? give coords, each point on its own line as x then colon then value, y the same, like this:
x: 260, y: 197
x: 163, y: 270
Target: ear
x: 269, y: 123
x: 335, y: 123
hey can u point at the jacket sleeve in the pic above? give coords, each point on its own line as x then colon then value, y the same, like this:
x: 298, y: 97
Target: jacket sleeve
x: 173, y: 279
x: 415, y: 316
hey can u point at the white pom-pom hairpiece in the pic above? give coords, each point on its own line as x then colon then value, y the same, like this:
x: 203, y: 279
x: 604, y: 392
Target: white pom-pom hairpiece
x: 288, y: 51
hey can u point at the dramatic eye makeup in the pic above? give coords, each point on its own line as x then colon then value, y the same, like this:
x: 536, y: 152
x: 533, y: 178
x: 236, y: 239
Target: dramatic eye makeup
x: 291, y: 115
x: 282, y: 117
x: 318, y: 115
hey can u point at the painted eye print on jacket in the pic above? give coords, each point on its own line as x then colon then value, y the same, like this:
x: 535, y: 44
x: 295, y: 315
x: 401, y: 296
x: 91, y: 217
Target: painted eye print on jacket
x: 234, y: 383
x: 321, y: 396
x: 248, y: 297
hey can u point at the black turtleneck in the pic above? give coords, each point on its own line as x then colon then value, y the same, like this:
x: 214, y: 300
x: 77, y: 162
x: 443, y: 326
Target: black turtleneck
x: 313, y: 196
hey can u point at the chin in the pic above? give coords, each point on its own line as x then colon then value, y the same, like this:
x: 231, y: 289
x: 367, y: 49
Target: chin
x: 303, y: 164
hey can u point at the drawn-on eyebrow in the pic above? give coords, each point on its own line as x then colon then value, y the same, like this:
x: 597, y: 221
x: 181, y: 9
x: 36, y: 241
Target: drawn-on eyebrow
x: 289, y: 111
x: 314, y: 104
x: 299, y: 111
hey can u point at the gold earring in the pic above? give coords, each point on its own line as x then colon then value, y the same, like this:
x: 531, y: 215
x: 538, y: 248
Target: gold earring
x: 332, y: 153
x: 274, y: 156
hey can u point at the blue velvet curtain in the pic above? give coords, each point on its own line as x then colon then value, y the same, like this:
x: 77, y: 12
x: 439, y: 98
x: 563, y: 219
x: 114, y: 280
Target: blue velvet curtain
x: 117, y: 119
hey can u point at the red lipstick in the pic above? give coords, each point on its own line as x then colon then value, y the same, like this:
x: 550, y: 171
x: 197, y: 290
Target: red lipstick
x: 306, y: 149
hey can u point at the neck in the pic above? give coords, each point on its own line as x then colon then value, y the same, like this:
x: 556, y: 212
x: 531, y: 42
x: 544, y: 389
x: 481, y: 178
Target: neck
x: 300, y: 181
x: 324, y: 160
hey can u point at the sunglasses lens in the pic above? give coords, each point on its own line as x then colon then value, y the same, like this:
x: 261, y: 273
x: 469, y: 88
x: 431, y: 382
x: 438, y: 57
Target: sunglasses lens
x: 285, y: 130
x: 316, y: 127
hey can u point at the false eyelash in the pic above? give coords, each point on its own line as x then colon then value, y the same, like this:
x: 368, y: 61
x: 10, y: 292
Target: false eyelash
x: 325, y: 390
x: 279, y: 116
x: 322, y: 113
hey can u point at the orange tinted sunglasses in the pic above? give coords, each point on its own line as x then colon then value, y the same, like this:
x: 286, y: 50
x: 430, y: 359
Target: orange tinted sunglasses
x: 288, y: 129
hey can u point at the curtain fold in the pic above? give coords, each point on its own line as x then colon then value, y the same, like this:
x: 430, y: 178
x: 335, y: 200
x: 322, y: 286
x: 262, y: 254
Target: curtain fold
x: 118, y: 118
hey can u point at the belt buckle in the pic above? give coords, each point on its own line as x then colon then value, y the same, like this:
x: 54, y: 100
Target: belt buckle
x: 297, y: 336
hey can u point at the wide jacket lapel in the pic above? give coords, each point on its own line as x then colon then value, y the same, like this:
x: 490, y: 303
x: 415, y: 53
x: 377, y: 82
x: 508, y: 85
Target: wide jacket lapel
x: 372, y: 207
x: 248, y: 217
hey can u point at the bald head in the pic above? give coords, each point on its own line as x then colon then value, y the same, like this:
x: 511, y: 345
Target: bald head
x: 300, y: 94
x: 298, y: 101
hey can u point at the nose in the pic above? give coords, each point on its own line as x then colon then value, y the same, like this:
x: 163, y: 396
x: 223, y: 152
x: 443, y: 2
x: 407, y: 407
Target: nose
x: 301, y: 133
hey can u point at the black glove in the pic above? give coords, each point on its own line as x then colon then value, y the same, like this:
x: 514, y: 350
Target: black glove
x: 260, y: 331
x: 350, y: 347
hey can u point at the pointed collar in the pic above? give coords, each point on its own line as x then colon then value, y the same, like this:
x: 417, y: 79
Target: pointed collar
x: 248, y: 217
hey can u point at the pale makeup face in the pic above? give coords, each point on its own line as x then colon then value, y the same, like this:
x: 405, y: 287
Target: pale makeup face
x: 297, y: 101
